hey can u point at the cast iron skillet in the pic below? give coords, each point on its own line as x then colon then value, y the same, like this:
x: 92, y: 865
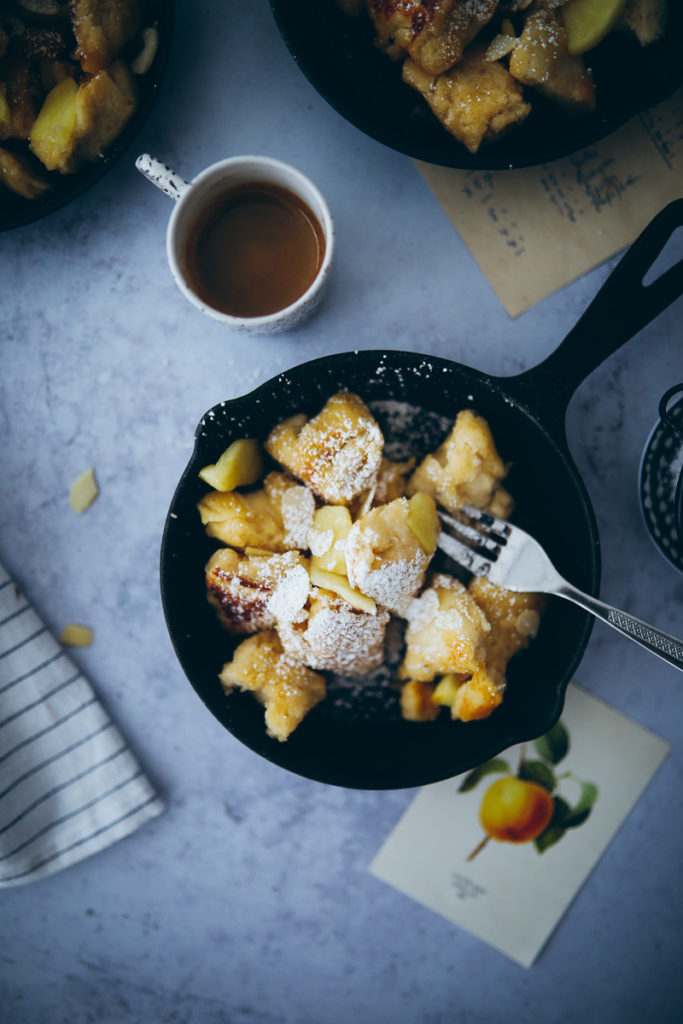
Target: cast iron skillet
x: 362, y: 742
x: 339, y: 57
x: 16, y: 211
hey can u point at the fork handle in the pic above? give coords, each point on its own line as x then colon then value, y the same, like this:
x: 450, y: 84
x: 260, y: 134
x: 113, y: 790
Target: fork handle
x: 652, y: 639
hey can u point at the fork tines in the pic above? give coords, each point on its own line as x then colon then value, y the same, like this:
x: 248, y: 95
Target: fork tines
x: 474, y: 539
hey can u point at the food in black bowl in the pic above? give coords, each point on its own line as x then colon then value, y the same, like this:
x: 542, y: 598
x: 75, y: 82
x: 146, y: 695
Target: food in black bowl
x: 77, y: 81
x: 531, y: 121
x: 359, y: 738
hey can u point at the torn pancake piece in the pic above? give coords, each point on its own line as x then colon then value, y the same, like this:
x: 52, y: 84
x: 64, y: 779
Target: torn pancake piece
x: 337, y: 453
x: 246, y: 590
x: 476, y: 101
x: 287, y: 690
x: 384, y: 556
x: 465, y: 470
x: 332, y: 635
x: 447, y: 632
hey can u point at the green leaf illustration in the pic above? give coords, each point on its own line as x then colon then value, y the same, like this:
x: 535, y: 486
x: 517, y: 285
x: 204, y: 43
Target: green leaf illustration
x: 496, y: 764
x: 553, y: 746
x: 581, y: 810
x: 548, y: 838
x: 537, y: 771
x: 556, y: 828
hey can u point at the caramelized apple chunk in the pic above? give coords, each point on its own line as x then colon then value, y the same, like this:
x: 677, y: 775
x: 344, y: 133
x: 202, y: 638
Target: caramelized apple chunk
x: 78, y: 123
x: 53, y: 136
x: 239, y: 465
x: 417, y: 702
x: 327, y: 538
x: 276, y: 518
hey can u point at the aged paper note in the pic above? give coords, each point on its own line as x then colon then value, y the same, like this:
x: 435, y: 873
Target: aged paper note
x: 513, y: 894
x: 534, y: 230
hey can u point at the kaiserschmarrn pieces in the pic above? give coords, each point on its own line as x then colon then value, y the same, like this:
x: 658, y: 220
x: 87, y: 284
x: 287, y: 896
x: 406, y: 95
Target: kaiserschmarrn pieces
x: 475, y: 101
x: 465, y: 470
x: 332, y: 635
x: 538, y: 48
x: 479, y: 64
x: 384, y: 557
x: 392, y: 480
x: 69, y: 74
x: 570, y: 85
x: 102, y: 28
x: 315, y: 570
x: 541, y: 58
x: 447, y: 632
x: 337, y: 453
x: 276, y: 518
x: 287, y: 689
x: 434, y: 34
x: 247, y: 590
x: 514, y: 620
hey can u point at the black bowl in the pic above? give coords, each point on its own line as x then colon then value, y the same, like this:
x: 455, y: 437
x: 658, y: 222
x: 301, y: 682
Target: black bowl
x: 356, y: 737
x: 15, y: 211
x: 339, y: 57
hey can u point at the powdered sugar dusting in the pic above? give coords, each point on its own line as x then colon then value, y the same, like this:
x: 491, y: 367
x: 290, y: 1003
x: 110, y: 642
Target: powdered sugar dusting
x: 290, y: 595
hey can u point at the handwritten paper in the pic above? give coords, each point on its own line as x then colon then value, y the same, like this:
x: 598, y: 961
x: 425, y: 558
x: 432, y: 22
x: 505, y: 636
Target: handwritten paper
x: 534, y: 230
x: 512, y: 895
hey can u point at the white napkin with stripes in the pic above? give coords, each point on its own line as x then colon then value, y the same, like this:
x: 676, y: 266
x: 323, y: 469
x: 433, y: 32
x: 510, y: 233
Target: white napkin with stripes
x: 69, y: 784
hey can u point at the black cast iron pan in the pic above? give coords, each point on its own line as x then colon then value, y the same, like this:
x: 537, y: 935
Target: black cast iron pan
x: 357, y: 739
x: 339, y: 57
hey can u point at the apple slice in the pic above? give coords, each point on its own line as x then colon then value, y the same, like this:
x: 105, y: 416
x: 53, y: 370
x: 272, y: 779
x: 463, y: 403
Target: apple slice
x: 335, y: 521
x: 75, y: 635
x: 423, y: 520
x: 588, y: 21
x: 446, y: 689
x: 240, y: 464
x: 340, y: 585
x: 83, y: 491
x: 53, y: 135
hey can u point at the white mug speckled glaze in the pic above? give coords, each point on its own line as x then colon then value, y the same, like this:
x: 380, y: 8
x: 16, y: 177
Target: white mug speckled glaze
x: 192, y: 197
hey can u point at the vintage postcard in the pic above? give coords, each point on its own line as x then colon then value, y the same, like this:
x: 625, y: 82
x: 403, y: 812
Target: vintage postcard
x: 501, y: 851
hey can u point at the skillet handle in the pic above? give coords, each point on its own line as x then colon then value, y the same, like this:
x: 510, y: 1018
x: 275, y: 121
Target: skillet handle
x: 621, y: 308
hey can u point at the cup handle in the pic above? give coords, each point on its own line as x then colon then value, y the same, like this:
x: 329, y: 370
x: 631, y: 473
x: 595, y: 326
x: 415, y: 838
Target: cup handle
x: 162, y: 176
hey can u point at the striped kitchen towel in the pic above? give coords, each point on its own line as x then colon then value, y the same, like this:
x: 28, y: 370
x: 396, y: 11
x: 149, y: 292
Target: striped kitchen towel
x: 69, y: 784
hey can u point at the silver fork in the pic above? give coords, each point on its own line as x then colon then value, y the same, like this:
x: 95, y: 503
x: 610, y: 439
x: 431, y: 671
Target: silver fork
x: 509, y: 557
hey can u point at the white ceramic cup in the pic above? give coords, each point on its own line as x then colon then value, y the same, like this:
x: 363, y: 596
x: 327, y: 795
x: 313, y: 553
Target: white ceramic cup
x: 193, y: 197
